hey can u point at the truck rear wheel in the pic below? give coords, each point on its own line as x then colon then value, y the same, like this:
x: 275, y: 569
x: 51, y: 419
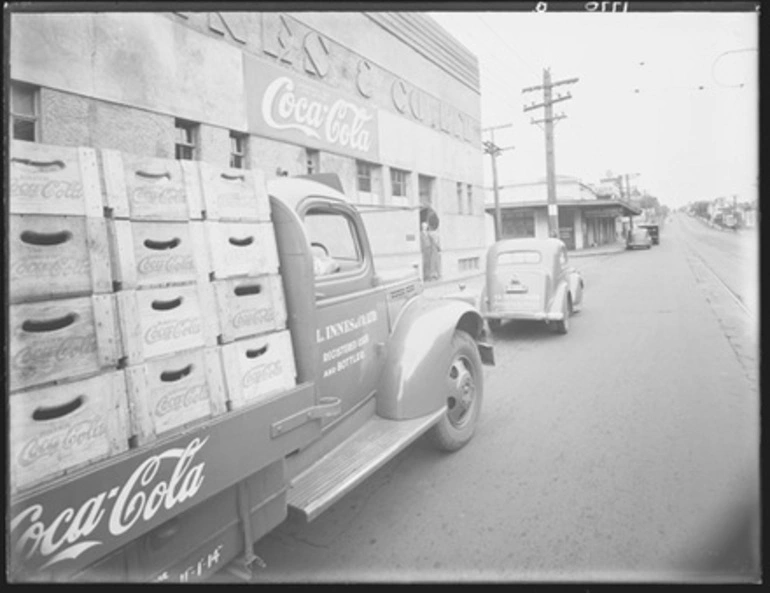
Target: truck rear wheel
x: 464, y: 388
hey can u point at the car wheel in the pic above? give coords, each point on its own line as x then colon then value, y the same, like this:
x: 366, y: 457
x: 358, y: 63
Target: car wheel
x: 562, y: 326
x: 464, y: 388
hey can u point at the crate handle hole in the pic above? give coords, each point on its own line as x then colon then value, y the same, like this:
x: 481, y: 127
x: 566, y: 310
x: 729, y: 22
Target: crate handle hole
x: 162, y: 245
x: 35, y: 238
x: 247, y: 290
x: 41, y: 164
x: 48, y: 325
x: 228, y: 177
x: 167, y: 305
x: 148, y: 175
x: 241, y: 242
x: 254, y: 353
x: 42, y: 413
x: 171, y: 376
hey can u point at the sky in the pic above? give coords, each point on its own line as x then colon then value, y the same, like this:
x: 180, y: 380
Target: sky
x: 677, y: 142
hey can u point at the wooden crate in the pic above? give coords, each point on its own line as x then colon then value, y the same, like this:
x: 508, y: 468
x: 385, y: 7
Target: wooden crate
x: 152, y: 254
x: 173, y: 391
x: 241, y: 248
x: 57, y: 256
x: 258, y: 368
x: 62, y: 339
x: 249, y: 306
x: 48, y: 179
x: 145, y: 188
x: 59, y: 428
x: 234, y: 194
x: 160, y: 321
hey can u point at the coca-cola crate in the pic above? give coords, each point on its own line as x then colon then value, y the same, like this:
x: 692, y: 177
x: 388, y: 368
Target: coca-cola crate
x: 241, y: 248
x: 173, y: 391
x: 57, y: 256
x: 152, y: 254
x: 49, y: 179
x: 234, y: 194
x: 148, y: 188
x: 58, y: 428
x: 249, y: 306
x: 62, y: 339
x: 159, y: 321
x: 258, y: 368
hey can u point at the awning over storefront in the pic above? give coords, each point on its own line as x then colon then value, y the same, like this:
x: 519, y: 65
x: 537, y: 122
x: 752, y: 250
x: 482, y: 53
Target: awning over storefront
x: 590, y: 208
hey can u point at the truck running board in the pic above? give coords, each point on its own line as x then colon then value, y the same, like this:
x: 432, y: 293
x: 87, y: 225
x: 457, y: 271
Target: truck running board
x: 349, y: 464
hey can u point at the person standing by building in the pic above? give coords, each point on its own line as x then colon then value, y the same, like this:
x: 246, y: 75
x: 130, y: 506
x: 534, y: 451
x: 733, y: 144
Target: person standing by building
x: 435, y: 254
x: 425, y: 247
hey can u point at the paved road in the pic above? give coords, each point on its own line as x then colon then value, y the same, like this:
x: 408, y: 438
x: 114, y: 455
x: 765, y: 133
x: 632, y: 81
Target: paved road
x: 624, y: 451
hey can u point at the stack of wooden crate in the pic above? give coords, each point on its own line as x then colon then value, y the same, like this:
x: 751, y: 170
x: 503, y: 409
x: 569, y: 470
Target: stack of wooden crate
x: 256, y: 350
x: 67, y: 403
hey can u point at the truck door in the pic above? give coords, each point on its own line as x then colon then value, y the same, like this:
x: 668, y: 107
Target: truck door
x: 352, y: 315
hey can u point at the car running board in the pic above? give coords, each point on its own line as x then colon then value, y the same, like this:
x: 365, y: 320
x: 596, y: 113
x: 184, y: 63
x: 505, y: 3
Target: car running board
x: 350, y: 463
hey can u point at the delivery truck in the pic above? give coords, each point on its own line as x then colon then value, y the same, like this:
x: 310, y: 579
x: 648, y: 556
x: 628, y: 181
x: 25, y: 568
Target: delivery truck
x: 194, y: 353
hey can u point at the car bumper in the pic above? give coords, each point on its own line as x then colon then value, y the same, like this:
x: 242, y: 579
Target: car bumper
x: 534, y: 316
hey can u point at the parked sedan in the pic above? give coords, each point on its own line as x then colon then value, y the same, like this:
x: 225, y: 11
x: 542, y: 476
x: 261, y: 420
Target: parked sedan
x: 528, y: 279
x: 639, y: 238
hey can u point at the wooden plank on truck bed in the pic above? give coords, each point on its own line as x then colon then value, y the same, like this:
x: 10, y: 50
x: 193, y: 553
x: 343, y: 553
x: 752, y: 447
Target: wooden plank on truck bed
x: 174, y: 391
x: 153, y: 254
x: 55, y: 429
x: 234, y: 194
x: 249, y: 306
x: 159, y: 321
x: 48, y: 179
x: 57, y: 256
x: 62, y: 339
x: 241, y: 248
x: 148, y: 188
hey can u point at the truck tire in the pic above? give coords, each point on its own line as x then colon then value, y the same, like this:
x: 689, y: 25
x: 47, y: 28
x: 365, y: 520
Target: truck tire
x: 464, y: 385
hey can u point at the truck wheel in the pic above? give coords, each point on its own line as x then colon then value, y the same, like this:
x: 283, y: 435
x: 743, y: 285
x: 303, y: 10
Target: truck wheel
x: 464, y: 387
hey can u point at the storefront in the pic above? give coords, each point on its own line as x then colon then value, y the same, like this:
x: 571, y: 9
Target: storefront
x: 288, y: 93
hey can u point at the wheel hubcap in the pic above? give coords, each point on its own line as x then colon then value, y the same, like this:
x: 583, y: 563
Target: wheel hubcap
x: 462, y: 392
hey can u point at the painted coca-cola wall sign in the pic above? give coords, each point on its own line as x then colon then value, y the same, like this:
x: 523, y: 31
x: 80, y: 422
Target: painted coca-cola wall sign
x: 289, y: 107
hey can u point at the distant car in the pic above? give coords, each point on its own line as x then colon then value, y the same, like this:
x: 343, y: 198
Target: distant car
x: 639, y: 238
x: 654, y: 231
x: 530, y: 279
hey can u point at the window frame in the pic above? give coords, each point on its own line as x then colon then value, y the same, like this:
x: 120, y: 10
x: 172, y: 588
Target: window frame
x: 241, y: 155
x: 460, y: 209
x: 34, y: 119
x: 402, y: 183
x: 368, y: 168
x: 191, y: 144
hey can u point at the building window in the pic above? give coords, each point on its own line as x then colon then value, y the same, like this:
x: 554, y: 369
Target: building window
x: 425, y: 187
x: 459, y: 198
x: 238, y: 144
x: 313, y: 161
x: 364, y: 175
x: 518, y: 223
x: 186, y: 139
x: 398, y: 180
x: 24, y: 111
x: 470, y: 198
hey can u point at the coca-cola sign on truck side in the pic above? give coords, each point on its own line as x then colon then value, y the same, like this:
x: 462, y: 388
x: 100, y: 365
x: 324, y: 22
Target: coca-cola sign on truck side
x: 287, y: 106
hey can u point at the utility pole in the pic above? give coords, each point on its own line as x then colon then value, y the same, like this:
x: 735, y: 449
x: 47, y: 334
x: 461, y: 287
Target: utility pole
x: 548, y: 101
x: 493, y: 150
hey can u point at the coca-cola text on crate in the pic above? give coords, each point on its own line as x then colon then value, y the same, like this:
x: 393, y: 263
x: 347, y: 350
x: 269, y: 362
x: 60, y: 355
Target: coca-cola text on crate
x: 234, y: 194
x: 249, y: 306
x: 241, y: 248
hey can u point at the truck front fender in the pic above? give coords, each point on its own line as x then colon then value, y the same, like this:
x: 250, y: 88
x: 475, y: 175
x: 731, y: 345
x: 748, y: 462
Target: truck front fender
x: 419, y: 353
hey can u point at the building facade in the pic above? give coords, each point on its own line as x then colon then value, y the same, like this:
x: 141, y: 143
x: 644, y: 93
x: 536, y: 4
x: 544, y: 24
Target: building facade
x: 388, y: 101
x: 587, y: 218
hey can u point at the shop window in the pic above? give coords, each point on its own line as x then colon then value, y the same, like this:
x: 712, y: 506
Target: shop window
x: 238, y: 144
x: 25, y: 100
x: 186, y: 139
x: 313, y: 161
x: 364, y: 176
x: 398, y: 182
x: 459, y: 198
x: 425, y: 187
x: 467, y: 264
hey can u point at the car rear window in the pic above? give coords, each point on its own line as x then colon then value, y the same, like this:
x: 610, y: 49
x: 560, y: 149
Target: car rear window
x: 519, y: 257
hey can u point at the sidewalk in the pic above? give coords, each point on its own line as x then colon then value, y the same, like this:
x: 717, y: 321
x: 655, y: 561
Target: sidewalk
x: 474, y: 282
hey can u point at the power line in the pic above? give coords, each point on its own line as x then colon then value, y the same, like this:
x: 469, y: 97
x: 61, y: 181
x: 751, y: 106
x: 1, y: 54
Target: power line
x: 505, y: 43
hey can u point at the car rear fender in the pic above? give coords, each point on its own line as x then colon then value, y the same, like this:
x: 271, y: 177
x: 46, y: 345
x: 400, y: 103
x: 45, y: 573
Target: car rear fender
x: 555, y: 306
x: 418, y: 356
x: 576, y: 286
